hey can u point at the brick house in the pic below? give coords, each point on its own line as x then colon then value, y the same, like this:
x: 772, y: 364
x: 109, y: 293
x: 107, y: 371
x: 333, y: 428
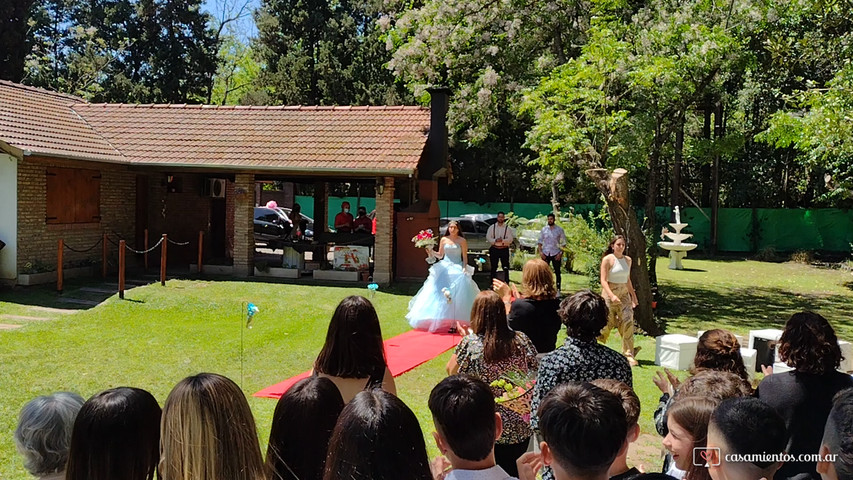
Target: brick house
x: 74, y: 170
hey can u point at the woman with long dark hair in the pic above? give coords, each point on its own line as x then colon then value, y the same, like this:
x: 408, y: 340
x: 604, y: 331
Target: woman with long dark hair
x: 377, y: 437
x: 353, y: 357
x: 116, y: 435
x: 618, y: 292
x: 490, y: 352
x: 803, y: 396
x: 301, y: 427
x: 448, y: 292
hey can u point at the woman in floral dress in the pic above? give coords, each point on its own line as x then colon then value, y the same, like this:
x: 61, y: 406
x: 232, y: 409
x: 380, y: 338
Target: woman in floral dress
x: 489, y: 352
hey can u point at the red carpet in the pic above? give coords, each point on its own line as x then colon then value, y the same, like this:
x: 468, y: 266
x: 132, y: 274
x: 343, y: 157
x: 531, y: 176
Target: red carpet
x: 404, y: 352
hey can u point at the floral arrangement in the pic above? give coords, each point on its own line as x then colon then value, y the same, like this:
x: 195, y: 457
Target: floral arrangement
x: 517, y: 391
x: 424, y: 239
x: 446, y: 292
x: 373, y: 287
x: 480, y: 262
x: 251, y: 310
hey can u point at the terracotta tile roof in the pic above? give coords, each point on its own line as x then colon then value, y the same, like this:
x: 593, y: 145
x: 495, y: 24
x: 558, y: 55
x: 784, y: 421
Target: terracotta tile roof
x: 355, y: 139
x: 42, y: 122
x: 358, y: 140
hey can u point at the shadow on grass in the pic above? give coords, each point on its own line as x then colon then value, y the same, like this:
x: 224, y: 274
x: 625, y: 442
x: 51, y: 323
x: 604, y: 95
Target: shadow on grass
x: 695, y: 308
x: 77, y: 294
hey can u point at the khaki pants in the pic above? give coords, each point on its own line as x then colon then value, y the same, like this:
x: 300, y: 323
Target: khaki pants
x: 621, y: 318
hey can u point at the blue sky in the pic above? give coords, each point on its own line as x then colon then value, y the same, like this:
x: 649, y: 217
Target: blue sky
x: 245, y: 27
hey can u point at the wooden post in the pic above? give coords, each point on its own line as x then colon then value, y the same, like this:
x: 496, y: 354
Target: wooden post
x: 104, y: 251
x: 200, y: 249
x: 163, y: 259
x: 121, y: 265
x: 59, y: 266
x: 145, y: 248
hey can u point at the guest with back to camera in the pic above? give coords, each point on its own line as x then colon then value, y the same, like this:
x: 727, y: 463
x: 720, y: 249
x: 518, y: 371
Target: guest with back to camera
x: 837, y: 440
x: 116, y: 435
x: 353, y: 356
x: 43, y: 434
x: 209, y: 432
x: 534, y: 311
x: 301, y: 427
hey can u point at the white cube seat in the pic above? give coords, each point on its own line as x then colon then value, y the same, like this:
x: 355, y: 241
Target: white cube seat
x: 749, y: 356
x: 675, y: 351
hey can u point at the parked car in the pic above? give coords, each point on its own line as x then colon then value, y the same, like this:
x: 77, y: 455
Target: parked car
x: 528, y: 232
x: 271, y: 226
x: 474, y: 232
x: 489, y: 218
x: 307, y: 221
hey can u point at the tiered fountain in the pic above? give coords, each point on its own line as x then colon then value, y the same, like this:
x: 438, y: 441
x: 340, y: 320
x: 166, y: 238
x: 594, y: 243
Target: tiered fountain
x: 677, y: 249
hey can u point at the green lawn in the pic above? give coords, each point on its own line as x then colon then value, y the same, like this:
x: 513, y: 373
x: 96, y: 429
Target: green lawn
x: 160, y: 335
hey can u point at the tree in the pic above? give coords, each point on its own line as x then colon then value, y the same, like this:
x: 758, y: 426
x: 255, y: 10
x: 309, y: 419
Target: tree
x: 14, y: 15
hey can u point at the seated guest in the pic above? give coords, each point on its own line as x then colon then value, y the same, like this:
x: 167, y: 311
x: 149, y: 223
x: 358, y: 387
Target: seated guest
x: 43, y: 435
x: 718, y: 350
x: 838, y: 439
x: 353, y: 356
x: 377, y: 437
x: 533, y: 312
x: 362, y: 223
x: 116, y: 435
x: 299, y: 223
x: 489, y: 353
x: 803, y: 396
x: 343, y: 220
x: 209, y: 432
x: 688, y: 419
x: 301, y: 427
x: 631, y: 403
x: 581, y: 358
x: 584, y: 429
x: 466, y: 427
x: 744, y: 426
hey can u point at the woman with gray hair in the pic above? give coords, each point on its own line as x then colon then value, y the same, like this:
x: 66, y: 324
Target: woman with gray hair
x: 43, y: 436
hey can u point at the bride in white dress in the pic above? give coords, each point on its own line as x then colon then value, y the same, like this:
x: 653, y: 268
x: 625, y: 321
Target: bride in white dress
x: 448, y: 293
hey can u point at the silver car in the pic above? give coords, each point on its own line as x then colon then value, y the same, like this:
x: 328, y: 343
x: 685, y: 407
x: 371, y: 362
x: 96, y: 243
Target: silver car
x: 474, y: 232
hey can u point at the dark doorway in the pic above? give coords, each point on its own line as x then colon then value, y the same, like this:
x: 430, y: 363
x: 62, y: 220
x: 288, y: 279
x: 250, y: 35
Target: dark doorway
x: 217, y: 228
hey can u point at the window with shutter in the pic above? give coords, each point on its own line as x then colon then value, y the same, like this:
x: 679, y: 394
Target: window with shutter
x: 73, y: 196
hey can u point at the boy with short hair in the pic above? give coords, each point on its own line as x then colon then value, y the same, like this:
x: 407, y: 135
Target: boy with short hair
x: 466, y: 428
x: 631, y: 403
x: 583, y: 428
x: 838, y: 439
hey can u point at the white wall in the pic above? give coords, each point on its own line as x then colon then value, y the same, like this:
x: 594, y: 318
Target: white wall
x: 8, y: 217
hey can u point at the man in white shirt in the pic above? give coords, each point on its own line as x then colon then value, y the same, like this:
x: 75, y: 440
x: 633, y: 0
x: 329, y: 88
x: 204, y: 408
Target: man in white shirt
x: 466, y: 428
x: 500, y: 236
x: 552, y: 239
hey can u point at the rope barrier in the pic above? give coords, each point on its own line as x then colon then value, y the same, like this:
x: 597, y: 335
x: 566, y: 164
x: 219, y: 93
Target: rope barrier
x: 176, y: 243
x: 112, y: 241
x: 86, y: 250
x: 142, y: 252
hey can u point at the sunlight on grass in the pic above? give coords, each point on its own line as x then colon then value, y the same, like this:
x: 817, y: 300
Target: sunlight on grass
x: 160, y: 335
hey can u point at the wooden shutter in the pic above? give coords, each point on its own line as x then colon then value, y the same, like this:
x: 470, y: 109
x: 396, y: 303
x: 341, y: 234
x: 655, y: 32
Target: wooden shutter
x: 73, y: 195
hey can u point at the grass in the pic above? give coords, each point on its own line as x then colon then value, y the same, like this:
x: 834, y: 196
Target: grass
x: 160, y: 335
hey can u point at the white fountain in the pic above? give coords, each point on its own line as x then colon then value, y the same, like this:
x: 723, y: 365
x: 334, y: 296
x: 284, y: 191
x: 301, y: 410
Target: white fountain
x: 677, y: 249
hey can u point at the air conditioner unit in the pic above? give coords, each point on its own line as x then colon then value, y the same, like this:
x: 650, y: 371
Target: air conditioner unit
x: 216, y: 187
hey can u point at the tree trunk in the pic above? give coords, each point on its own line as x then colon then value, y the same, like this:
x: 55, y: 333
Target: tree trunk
x: 614, y: 186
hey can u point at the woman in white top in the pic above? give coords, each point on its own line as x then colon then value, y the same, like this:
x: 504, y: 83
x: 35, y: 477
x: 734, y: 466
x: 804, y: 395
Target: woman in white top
x: 618, y: 292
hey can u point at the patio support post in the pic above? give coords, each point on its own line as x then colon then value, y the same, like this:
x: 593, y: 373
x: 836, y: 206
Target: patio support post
x: 384, y: 242
x: 244, y: 235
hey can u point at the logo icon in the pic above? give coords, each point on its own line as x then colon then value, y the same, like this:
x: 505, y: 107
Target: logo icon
x: 706, y: 456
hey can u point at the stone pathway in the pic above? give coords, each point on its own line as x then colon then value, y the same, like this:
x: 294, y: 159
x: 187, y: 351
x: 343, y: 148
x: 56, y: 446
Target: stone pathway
x: 6, y: 326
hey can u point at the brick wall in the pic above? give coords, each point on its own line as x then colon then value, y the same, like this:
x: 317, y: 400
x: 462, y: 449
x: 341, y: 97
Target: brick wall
x: 37, y: 241
x: 383, y: 250
x: 244, y: 237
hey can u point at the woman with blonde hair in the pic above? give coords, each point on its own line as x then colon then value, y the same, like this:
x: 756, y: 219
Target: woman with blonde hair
x: 208, y: 432
x: 488, y: 353
x: 535, y: 311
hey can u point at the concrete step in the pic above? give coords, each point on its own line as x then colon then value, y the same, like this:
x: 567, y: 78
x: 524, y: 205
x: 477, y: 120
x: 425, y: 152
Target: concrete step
x: 24, y: 318
x: 61, y: 311
x: 104, y: 289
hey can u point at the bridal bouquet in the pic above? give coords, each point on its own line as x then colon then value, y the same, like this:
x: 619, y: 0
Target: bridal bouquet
x: 424, y: 239
x: 517, y: 391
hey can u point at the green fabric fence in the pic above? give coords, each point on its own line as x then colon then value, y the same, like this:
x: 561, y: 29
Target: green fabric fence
x: 741, y: 229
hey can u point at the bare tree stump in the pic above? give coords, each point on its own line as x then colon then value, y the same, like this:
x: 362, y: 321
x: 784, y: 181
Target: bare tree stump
x: 614, y: 186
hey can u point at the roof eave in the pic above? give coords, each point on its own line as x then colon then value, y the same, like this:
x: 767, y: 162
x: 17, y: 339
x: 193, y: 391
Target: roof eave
x: 273, y: 169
